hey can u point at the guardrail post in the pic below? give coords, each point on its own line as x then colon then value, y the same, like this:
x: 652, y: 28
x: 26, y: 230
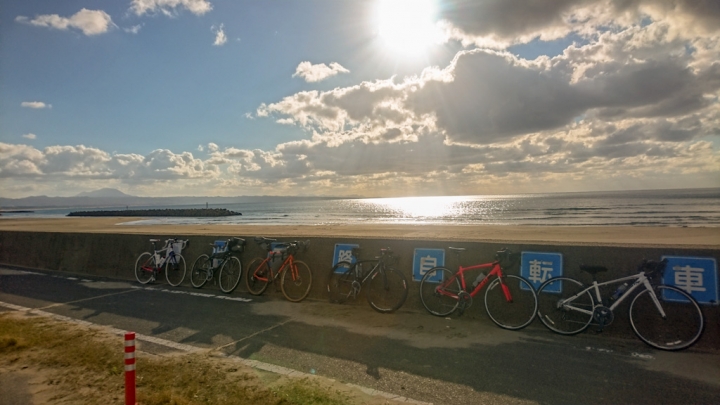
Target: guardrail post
x: 130, y: 368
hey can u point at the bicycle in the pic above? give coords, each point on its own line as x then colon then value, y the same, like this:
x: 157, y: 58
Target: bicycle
x: 387, y: 287
x: 222, y: 260
x: 149, y: 265
x: 510, y: 300
x: 662, y: 316
x: 296, y: 277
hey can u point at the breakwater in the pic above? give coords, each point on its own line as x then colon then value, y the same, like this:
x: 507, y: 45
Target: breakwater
x: 190, y: 212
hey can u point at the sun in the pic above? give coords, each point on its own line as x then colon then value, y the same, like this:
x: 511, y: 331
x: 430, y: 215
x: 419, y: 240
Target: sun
x: 407, y: 26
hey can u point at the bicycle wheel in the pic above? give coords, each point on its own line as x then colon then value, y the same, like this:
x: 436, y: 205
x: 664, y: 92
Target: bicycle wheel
x: 439, y: 291
x: 387, y: 290
x: 200, y: 271
x: 511, y: 302
x: 175, y: 270
x: 565, y: 318
x: 229, y: 275
x: 340, y: 282
x: 145, y: 268
x: 258, y: 276
x: 682, y: 325
x: 296, y: 281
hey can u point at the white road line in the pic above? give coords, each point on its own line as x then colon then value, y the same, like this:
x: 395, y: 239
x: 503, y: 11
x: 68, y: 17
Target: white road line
x: 196, y: 294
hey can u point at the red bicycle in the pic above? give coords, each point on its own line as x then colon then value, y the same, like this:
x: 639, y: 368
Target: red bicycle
x: 295, y: 276
x: 510, y: 300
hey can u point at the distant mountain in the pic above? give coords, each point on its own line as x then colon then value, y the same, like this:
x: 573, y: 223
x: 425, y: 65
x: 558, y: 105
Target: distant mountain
x: 103, y: 193
x: 118, y: 199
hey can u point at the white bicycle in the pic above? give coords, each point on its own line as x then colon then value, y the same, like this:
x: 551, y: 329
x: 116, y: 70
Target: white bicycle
x: 149, y: 265
x: 663, y: 316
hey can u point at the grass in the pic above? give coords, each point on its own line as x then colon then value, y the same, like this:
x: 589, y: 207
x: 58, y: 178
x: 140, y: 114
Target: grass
x: 86, y: 365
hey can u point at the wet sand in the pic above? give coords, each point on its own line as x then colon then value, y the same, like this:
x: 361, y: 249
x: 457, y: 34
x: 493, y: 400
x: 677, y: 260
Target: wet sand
x: 581, y: 235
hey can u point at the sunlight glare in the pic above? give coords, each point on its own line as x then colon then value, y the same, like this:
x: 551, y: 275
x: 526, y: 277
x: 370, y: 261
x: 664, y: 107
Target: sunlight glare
x: 407, y: 26
x: 423, y: 207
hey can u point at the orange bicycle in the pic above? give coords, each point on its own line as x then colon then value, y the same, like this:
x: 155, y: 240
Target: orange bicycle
x: 295, y: 276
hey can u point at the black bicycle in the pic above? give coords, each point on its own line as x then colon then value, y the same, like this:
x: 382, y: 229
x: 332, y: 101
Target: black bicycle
x: 387, y: 287
x: 223, y: 259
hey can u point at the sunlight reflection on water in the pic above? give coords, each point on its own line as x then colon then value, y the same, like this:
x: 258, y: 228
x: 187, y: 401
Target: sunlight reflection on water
x: 427, y: 207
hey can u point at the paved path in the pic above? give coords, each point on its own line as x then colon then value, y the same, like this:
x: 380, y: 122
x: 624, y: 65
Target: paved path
x: 412, y: 354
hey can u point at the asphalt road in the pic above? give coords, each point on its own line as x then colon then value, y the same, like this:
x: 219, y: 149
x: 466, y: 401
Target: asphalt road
x: 409, y: 353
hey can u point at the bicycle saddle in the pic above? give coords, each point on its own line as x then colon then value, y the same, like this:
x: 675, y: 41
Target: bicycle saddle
x: 593, y: 269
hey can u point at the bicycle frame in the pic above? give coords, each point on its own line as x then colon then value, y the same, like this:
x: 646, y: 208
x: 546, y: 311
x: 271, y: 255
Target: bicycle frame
x: 640, y: 280
x: 369, y: 273
x: 288, y: 262
x: 496, y: 271
x: 163, y: 255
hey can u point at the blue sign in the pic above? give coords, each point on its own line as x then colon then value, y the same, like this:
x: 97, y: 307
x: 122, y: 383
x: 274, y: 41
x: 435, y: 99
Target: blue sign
x: 695, y: 275
x: 537, y: 267
x: 343, y: 253
x: 426, y: 259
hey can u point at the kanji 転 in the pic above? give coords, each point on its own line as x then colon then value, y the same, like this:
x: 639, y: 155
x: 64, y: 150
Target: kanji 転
x: 539, y: 271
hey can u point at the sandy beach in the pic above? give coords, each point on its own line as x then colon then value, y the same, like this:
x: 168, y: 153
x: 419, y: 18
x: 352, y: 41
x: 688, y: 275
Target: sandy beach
x: 606, y: 235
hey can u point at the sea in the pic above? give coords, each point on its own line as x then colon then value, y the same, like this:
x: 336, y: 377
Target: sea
x: 676, y: 208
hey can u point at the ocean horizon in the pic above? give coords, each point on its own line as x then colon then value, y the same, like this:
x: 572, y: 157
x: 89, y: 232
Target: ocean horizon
x: 676, y: 207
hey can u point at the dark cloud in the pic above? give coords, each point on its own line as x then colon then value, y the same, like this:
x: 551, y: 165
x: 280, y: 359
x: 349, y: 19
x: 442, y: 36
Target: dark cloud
x: 505, y: 18
x: 510, y: 19
x: 491, y: 99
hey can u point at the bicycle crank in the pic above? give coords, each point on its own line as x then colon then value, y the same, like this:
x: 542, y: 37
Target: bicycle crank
x: 603, y: 315
x: 465, y: 301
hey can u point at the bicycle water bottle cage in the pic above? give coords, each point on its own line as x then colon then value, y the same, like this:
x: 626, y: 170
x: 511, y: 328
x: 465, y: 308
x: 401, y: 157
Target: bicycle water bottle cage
x: 593, y: 270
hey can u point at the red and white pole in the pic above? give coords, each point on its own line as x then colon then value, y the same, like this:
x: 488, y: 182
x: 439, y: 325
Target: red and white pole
x: 130, y: 368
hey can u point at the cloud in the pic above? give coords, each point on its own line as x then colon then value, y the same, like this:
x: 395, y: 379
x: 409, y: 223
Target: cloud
x: 315, y: 73
x: 220, y: 38
x: 499, y: 23
x: 35, y: 104
x: 635, y: 101
x: 90, y: 22
x: 170, y: 7
x: 29, y: 136
x: 133, y: 30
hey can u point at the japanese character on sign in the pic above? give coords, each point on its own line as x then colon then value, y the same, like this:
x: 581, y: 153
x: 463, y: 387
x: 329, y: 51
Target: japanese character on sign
x: 696, y: 276
x: 426, y: 259
x: 540, y: 271
x: 344, y: 255
x: 427, y: 263
x: 539, y: 267
x: 689, y: 278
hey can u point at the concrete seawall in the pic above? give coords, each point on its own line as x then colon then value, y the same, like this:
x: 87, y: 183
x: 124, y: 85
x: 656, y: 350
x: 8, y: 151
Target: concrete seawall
x: 113, y: 256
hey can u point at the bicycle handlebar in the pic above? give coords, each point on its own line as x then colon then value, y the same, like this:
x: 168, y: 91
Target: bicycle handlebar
x: 507, y: 258
x: 652, y: 267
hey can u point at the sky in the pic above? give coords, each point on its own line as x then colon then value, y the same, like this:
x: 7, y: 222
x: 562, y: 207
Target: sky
x: 374, y: 98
